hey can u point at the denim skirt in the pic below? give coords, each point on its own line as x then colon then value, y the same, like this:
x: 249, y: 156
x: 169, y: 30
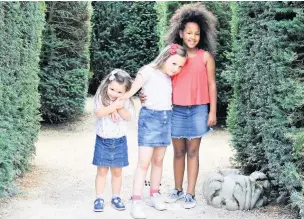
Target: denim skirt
x: 154, y: 127
x: 190, y: 121
x: 111, y: 152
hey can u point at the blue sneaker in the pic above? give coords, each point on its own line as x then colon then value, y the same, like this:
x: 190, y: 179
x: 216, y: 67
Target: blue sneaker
x: 174, y: 196
x: 117, y: 204
x: 98, y: 205
x: 190, y: 201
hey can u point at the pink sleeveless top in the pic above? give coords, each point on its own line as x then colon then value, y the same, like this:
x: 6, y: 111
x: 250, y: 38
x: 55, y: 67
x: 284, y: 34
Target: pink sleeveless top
x: 190, y: 86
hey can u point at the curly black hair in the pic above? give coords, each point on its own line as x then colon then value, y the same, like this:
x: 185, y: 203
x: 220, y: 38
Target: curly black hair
x: 196, y: 13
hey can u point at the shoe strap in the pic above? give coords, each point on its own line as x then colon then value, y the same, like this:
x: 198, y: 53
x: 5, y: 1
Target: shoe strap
x: 99, y: 200
x: 118, y: 199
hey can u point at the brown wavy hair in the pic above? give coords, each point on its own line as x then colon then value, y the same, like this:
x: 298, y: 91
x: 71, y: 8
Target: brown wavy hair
x: 121, y: 77
x: 196, y: 13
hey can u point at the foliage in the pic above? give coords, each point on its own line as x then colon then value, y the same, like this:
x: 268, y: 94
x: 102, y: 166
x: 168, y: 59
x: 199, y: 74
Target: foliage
x: 124, y: 36
x: 266, y: 116
x: 65, y: 60
x: 21, y: 26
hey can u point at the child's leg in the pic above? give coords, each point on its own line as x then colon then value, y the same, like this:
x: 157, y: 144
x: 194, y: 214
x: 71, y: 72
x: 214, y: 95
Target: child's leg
x: 156, y: 200
x: 100, y: 181
x: 192, y: 163
x: 144, y: 159
x: 116, y: 187
x: 156, y: 168
x: 147, y: 181
x: 179, y: 146
x: 116, y: 180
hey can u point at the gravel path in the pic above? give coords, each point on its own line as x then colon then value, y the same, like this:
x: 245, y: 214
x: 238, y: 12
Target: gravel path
x: 61, y: 183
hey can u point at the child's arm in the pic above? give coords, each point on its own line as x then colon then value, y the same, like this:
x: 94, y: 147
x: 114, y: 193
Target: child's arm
x: 127, y: 112
x: 137, y: 84
x: 105, y: 111
x: 212, y: 88
x: 124, y: 113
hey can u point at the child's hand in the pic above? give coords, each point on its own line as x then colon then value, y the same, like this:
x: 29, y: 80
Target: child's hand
x: 142, y: 97
x: 119, y: 103
x: 115, y: 117
x: 211, y: 119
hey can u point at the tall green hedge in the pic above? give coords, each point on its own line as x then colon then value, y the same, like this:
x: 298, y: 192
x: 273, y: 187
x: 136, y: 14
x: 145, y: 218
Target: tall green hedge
x: 124, y: 36
x: 165, y: 10
x: 21, y: 26
x: 222, y: 11
x: 65, y: 60
x: 266, y: 116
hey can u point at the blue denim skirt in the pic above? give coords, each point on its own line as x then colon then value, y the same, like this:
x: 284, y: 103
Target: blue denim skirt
x: 190, y: 121
x: 154, y: 127
x: 111, y: 152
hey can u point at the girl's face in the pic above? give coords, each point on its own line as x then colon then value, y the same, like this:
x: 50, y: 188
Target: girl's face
x: 190, y: 35
x: 115, y: 90
x: 173, y: 65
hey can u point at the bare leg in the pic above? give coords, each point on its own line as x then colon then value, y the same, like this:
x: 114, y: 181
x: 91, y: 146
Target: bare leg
x: 192, y: 163
x: 144, y: 159
x: 100, y: 180
x: 157, y: 167
x: 179, y: 146
x: 116, y: 180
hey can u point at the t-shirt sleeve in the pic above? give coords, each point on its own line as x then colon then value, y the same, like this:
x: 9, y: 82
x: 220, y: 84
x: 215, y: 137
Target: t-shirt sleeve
x: 145, y: 72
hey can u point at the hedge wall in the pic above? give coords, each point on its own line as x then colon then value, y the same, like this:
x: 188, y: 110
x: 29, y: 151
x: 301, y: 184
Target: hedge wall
x: 21, y: 26
x: 65, y: 60
x: 266, y: 116
x: 124, y: 36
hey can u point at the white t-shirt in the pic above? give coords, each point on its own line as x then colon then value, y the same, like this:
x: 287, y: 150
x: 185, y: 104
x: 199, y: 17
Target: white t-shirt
x: 106, y: 128
x: 157, y: 87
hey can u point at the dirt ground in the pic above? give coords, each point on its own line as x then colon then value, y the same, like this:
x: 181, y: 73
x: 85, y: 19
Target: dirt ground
x: 61, y: 183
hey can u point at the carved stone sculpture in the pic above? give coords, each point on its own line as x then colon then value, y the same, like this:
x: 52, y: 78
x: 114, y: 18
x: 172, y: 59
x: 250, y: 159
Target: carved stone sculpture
x: 228, y: 189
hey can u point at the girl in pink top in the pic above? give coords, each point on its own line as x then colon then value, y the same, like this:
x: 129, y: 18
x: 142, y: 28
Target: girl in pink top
x: 194, y: 89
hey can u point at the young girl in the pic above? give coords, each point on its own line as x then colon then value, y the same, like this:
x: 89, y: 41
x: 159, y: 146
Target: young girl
x: 194, y: 88
x: 154, y: 124
x: 111, y: 150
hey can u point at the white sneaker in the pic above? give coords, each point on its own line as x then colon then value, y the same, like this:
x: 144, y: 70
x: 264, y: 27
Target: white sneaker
x: 157, y: 202
x: 174, y: 196
x: 136, y: 210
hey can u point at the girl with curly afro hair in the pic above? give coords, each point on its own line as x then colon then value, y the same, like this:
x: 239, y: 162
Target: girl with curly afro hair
x: 194, y: 94
x: 194, y: 90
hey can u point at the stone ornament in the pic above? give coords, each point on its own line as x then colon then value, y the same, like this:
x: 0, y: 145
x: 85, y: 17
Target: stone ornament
x: 228, y: 189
